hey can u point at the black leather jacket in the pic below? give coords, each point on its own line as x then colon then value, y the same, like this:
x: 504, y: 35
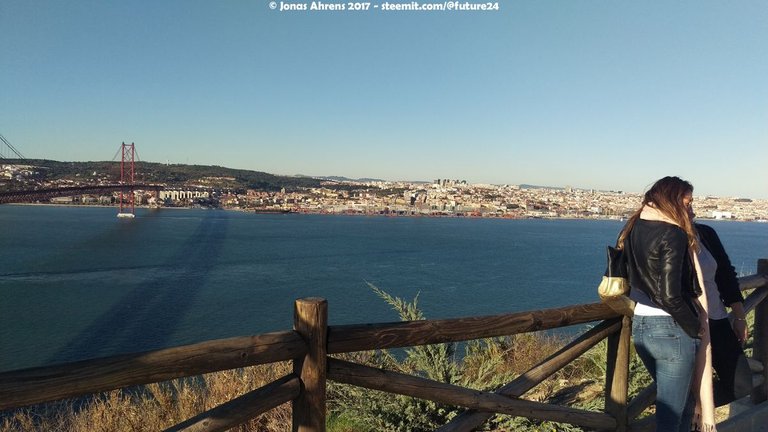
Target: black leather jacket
x: 661, y: 273
x: 725, y: 276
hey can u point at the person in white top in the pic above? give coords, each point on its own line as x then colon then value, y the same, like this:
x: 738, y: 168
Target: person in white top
x: 721, y: 285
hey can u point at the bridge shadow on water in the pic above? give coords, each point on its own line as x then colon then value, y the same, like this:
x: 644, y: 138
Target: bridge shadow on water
x: 149, y: 315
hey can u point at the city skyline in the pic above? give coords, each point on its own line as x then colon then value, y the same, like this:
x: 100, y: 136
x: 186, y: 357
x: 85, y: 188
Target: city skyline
x: 596, y: 95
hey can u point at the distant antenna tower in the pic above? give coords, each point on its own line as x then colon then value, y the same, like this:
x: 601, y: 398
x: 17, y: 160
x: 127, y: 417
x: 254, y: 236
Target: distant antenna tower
x: 127, y: 177
x: 10, y: 147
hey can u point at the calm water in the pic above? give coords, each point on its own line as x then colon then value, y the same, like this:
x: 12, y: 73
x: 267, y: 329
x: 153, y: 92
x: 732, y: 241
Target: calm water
x: 78, y: 283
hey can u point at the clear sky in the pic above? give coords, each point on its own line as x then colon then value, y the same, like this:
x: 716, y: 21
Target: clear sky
x: 606, y: 94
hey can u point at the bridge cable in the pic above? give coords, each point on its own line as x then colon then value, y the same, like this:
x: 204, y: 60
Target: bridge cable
x: 119, y: 149
x: 10, y: 146
x: 114, y: 158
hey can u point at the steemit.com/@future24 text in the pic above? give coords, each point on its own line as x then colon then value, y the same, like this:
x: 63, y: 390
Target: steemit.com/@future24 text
x: 412, y: 6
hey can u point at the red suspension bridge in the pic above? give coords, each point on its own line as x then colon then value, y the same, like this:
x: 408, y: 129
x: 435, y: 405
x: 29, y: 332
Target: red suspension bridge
x: 126, y: 186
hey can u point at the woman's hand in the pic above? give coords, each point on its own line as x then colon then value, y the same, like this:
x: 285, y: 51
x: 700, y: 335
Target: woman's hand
x: 739, y: 323
x: 740, y: 329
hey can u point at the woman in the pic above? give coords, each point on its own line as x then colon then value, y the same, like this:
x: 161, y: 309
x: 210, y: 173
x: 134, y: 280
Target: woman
x: 669, y: 323
x: 722, y: 288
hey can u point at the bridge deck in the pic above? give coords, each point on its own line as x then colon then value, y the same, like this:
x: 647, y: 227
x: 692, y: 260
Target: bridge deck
x: 44, y: 194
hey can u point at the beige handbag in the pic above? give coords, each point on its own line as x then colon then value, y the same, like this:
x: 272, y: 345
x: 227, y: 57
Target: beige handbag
x: 614, y: 287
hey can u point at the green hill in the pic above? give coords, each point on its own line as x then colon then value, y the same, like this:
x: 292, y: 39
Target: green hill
x: 171, y: 175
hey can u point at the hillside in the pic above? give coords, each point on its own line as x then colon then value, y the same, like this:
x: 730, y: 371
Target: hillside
x: 171, y: 175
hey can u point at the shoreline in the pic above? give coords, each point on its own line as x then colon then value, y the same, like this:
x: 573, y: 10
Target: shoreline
x: 409, y: 215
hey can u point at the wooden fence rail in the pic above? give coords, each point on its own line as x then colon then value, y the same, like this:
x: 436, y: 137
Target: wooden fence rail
x: 312, y: 340
x: 44, y: 384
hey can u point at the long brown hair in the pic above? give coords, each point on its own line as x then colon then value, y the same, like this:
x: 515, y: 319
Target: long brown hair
x: 666, y: 195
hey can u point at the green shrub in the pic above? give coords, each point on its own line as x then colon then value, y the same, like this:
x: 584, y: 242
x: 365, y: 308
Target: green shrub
x: 486, y: 365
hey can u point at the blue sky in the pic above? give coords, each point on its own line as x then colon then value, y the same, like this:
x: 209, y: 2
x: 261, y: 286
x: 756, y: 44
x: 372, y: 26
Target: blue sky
x: 587, y: 93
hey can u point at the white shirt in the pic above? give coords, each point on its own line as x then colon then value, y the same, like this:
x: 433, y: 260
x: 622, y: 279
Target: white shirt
x: 715, y: 307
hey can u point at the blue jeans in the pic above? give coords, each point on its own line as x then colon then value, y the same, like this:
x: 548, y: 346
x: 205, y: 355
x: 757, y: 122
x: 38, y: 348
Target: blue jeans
x: 669, y: 354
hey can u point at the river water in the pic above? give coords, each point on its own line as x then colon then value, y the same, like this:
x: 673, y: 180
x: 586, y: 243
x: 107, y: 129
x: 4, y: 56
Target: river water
x: 77, y: 283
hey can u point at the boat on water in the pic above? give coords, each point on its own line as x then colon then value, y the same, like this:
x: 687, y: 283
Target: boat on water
x: 126, y: 215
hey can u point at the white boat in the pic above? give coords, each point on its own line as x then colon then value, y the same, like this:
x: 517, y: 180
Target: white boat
x: 126, y: 215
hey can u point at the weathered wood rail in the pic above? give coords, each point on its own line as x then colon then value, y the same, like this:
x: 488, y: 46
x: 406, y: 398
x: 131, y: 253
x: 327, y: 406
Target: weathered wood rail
x: 311, y: 342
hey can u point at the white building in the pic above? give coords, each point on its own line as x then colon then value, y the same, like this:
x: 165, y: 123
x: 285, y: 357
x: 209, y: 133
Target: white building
x: 722, y: 215
x: 183, y: 195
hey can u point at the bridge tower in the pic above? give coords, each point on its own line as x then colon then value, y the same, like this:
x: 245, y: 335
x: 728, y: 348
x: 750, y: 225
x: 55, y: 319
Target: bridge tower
x: 127, y: 177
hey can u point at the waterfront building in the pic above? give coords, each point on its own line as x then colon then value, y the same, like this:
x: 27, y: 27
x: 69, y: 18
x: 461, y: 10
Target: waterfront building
x: 183, y: 195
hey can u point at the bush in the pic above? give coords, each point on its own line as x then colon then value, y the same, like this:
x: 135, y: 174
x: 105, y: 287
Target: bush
x: 486, y: 365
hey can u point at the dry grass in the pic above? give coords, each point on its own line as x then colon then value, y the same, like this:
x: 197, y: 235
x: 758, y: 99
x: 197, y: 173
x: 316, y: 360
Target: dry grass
x: 156, y: 406
x: 159, y: 406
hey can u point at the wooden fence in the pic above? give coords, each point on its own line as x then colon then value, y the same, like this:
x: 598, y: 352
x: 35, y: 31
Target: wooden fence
x: 311, y: 342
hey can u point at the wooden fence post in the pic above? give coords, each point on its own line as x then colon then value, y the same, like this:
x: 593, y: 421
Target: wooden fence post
x: 617, y: 374
x: 760, y: 339
x: 310, y: 320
